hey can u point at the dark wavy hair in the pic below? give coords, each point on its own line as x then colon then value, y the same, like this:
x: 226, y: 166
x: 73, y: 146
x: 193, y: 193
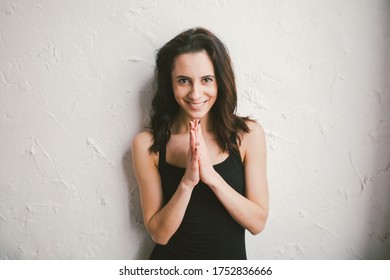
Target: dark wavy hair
x: 228, y: 127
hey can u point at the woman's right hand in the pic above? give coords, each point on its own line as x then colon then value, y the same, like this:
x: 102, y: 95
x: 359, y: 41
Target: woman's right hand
x: 191, y: 176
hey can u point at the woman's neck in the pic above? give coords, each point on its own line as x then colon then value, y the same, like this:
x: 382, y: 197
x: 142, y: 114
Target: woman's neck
x: 181, y: 124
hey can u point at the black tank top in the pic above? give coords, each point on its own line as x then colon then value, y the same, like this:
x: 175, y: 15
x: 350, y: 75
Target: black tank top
x: 207, y: 230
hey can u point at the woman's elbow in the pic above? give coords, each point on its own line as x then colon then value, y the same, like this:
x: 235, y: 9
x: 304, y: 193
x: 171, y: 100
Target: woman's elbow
x: 159, y: 238
x: 155, y: 232
x: 257, y: 229
x: 162, y: 242
x: 258, y: 226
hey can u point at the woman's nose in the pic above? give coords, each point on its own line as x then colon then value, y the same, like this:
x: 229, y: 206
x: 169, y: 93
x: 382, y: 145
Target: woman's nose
x: 196, y: 92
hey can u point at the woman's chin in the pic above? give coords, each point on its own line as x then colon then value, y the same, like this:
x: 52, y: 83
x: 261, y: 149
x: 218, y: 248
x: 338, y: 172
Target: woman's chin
x: 196, y: 116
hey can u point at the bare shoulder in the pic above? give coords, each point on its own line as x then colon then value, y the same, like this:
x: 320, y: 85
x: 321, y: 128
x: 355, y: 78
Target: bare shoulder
x: 256, y: 132
x: 255, y: 126
x: 254, y: 139
x: 143, y: 139
x: 141, y: 144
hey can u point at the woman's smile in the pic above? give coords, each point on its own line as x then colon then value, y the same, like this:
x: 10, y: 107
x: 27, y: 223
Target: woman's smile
x: 196, y: 105
x: 194, y: 85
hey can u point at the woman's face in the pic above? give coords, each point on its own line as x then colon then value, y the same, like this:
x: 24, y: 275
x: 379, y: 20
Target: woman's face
x: 194, y: 84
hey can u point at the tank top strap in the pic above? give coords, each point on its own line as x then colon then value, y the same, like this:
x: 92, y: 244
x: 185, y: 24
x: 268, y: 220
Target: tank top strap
x: 162, y: 157
x: 235, y: 153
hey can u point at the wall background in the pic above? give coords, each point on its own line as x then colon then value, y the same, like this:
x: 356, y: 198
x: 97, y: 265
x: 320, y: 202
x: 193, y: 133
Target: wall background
x: 75, y: 86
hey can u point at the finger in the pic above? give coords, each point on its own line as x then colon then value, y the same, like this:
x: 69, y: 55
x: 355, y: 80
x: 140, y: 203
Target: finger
x: 192, y: 138
x: 192, y: 129
x: 192, y: 141
x: 199, y: 133
x: 196, y: 154
x: 195, y: 128
x: 196, y: 122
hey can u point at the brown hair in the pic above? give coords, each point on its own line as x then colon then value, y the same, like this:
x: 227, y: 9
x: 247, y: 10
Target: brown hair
x: 228, y: 126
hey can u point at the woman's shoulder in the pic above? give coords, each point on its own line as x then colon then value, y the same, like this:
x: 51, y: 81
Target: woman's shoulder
x: 144, y: 137
x: 141, y: 144
x: 254, y: 127
x: 254, y: 136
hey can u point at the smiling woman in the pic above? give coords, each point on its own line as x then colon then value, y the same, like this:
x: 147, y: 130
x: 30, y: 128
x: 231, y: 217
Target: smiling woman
x: 194, y: 85
x: 200, y: 168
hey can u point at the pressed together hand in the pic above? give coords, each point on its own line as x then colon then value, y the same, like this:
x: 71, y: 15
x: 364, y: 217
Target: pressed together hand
x: 199, y: 166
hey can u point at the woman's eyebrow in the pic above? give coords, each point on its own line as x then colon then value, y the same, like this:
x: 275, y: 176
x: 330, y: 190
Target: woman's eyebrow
x: 182, y: 76
x: 205, y: 76
x: 208, y: 76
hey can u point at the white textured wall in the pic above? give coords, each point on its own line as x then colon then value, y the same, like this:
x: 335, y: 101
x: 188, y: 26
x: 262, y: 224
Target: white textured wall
x: 75, y: 84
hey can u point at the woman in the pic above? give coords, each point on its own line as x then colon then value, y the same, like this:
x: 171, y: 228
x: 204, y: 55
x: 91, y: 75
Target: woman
x: 200, y: 168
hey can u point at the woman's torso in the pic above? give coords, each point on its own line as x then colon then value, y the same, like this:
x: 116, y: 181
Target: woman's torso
x: 207, y: 230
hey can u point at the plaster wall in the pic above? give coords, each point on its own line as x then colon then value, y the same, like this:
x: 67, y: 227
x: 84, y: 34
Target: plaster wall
x: 75, y: 87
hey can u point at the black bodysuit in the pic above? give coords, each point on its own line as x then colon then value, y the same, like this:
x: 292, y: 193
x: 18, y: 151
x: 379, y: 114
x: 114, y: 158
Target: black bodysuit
x: 207, y: 230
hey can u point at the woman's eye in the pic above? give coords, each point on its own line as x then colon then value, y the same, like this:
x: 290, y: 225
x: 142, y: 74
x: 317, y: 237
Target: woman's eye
x: 208, y: 80
x: 183, y: 81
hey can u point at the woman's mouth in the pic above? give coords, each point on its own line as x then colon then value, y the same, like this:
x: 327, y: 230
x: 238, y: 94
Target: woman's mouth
x: 196, y: 104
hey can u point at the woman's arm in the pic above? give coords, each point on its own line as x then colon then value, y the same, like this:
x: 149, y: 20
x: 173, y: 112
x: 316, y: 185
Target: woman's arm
x: 251, y: 210
x: 161, y: 220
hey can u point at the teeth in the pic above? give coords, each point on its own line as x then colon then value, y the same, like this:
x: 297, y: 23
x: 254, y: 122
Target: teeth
x: 197, y: 104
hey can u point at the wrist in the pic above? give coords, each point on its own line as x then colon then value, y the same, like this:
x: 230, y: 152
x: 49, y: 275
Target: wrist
x: 185, y: 185
x: 215, y: 181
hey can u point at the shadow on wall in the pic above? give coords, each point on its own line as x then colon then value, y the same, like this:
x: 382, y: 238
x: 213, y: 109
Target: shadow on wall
x: 144, y: 246
x: 380, y: 214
